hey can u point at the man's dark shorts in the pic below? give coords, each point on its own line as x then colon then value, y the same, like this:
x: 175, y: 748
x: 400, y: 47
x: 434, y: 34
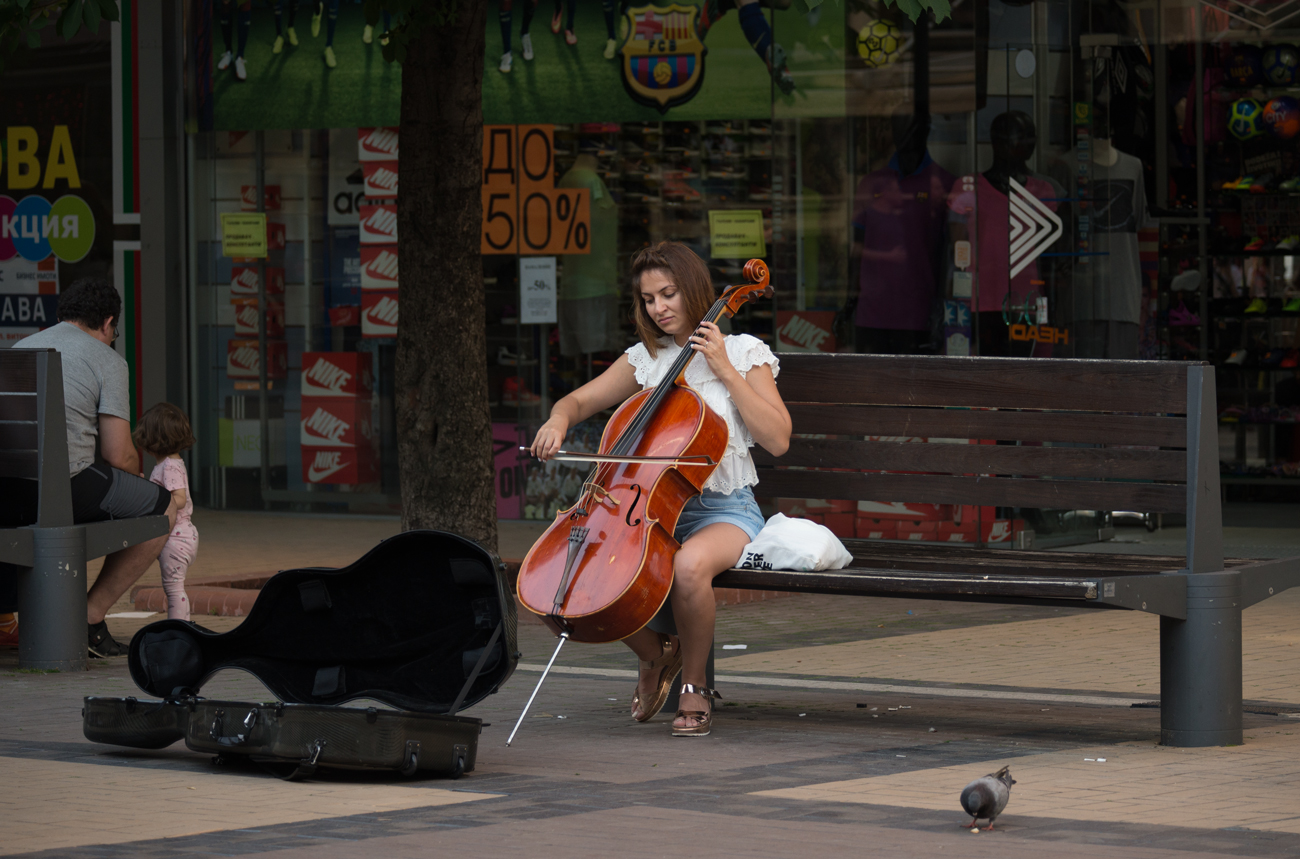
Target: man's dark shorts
x: 101, y: 492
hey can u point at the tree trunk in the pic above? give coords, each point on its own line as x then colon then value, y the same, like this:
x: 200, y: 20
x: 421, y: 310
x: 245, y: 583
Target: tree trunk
x: 444, y: 430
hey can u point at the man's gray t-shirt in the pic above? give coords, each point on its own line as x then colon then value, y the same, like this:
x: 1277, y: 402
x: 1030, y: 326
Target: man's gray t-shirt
x: 95, y: 382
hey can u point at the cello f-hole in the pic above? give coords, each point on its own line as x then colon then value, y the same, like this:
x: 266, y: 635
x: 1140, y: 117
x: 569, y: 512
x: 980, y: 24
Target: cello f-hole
x: 628, y: 517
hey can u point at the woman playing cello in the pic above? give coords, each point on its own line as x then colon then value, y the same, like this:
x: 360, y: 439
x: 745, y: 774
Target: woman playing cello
x: 736, y: 377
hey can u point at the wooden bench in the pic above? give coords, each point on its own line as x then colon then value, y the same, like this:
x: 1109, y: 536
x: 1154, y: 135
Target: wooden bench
x: 49, y: 551
x: 1138, y: 435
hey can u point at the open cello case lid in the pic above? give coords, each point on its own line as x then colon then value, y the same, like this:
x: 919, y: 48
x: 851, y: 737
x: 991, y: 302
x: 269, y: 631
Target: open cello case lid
x: 424, y: 623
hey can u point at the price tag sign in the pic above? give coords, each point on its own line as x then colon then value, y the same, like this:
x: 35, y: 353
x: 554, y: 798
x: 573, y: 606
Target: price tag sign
x: 736, y: 233
x: 243, y: 234
x: 523, y: 211
x: 961, y: 254
x: 537, y: 290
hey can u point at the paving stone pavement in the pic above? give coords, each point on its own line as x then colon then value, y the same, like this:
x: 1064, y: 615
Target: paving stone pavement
x: 790, y: 770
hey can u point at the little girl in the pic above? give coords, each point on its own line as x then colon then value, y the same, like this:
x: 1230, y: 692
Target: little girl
x: 164, y: 432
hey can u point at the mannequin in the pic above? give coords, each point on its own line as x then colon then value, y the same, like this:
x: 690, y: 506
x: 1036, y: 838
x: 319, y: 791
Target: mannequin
x: 898, y: 227
x: 1013, y: 137
x: 587, y: 299
x: 1108, y: 291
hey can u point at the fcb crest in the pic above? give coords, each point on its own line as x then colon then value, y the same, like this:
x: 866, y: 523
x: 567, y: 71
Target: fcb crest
x: 663, y: 57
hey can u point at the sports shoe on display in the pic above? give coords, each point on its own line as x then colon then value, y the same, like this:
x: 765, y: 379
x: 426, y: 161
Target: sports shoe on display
x: 611, y: 48
x: 1181, y: 316
x: 293, y: 36
x: 1231, y: 184
x: 1187, y: 281
x: 506, y: 60
x: 1292, y: 184
x: 1259, y: 305
x: 278, y: 45
x: 1255, y: 244
x: 514, y: 394
x: 1244, y: 183
x: 1292, y: 305
x: 506, y: 358
x: 1262, y: 184
x: 241, y: 71
x: 555, y: 22
x: 570, y: 37
x: 367, y: 34
x: 315, y: 19
x: 1230, y: 415
x: 226, y: 59
x: 329, y: 57
x: 527, y: 41
x: 1289, y: 243
x: 1238, y: 358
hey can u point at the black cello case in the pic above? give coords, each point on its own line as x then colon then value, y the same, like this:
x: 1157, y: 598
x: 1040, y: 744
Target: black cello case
x: 424, y: 623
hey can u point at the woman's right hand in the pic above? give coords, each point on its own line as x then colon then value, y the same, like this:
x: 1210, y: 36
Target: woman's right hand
x: 549, y: 438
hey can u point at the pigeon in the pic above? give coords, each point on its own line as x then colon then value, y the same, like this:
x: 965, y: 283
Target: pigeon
x: 987, y: 797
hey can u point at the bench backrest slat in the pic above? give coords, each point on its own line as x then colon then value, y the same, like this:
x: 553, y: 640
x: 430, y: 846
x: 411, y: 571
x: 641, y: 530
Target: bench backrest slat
x: 1075, y: 434
x: 33, y: 430
x: 988, y: 383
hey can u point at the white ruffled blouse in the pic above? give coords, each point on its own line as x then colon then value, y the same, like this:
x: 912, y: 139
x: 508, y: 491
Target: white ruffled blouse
x: 746, y: 352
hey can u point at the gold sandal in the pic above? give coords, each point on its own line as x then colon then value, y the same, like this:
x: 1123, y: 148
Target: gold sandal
x: 703, y: 718
x: 669, y: 665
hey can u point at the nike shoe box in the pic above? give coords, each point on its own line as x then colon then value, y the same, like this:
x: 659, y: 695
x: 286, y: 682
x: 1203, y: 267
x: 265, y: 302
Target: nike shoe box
x: 379, y: 268
x: 378, y: 314
x: 347, y: 466
x: 247, y: 317
x: 243, y: 359
x: 424, y: 624
x: 345, y: 375
x: 333, y: 422
x: 244, y: 281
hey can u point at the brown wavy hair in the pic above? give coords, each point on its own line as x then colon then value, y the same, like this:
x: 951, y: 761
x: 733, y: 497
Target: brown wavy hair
x: 163, y: 430
x: 688, y: 273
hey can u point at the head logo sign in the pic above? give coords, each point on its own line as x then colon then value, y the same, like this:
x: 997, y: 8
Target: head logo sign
x: 663, y: 57
x: 33, y: 227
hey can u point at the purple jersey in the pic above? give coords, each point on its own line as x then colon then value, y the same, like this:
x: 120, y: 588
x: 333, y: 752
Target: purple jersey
x: 902, y: 219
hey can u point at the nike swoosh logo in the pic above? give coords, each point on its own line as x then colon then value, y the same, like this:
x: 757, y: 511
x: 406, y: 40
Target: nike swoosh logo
x: 313, y: 475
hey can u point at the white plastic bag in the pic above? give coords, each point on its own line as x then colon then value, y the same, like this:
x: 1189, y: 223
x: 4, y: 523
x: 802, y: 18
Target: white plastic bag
x: 794, y: 544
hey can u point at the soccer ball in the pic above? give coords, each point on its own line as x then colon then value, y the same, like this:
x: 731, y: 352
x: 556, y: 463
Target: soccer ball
x: 1280, y: 64
x: 1245, y: 65
x: 1282, y: 117
x: 879, y: 43
x: 1245, y: 119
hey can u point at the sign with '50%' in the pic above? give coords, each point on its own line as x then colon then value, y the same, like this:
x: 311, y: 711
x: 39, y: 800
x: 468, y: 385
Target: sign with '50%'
x: 523, y: 212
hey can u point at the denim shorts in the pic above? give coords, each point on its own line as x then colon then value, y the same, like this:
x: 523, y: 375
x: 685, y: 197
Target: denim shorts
x: 738, y: 508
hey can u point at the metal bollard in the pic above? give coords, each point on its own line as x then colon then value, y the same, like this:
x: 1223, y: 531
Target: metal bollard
x: 1200, y: 665
x: 52, y: 601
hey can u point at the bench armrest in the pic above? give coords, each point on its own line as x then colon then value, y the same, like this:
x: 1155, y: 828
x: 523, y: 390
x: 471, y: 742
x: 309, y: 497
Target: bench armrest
x: 16, y: 546
x: 1164, y: 594
x: 1267, y: 578
x: 103, y: 538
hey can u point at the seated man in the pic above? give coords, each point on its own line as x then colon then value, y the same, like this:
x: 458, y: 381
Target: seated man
x: 106, y: 481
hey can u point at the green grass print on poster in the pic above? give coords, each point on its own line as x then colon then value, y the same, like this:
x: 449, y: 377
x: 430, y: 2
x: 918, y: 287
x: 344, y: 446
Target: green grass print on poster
x: 562, y: 84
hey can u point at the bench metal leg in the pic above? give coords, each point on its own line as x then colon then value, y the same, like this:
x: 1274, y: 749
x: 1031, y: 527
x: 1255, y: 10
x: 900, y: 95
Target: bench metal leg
x: 52, y: 601
x: 664, y: 622
x: 1200, y: 665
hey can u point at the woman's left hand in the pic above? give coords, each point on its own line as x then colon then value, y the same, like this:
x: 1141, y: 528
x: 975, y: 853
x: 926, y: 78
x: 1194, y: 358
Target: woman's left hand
x: 709, y: 341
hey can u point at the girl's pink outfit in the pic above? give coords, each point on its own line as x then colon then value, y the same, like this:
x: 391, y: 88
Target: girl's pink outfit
x: 183, y: 542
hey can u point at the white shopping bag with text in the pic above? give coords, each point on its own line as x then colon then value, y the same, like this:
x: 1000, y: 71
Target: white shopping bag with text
x: 794, y: 544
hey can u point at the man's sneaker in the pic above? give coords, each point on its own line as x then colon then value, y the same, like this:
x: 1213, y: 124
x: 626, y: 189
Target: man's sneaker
x: 315, y: 19
x: 1181, y: 316
x: 293, y: 36
x: 1292, y: 305
x: 776, y: 65
x: 1289, y: 243
x: 1237, y: 358
x: 226, y: 59
x: 278, y: 45
x: 241, y: 71
x: 1292, y: 184
x: 555, y: 22
x: 527, y: 41
x: 329, y: 57
x: 1255, y: 244
x: 368, y: 34
x: 1187, y: 281
x: 1262, y: 184
x: 506, y: 60
x: 1259, y: 305
x: 1244, y: 183
x: 100, y: 643
x: 611, y: 48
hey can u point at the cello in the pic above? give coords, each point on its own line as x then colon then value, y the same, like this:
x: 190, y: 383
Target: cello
x: 604, y: 567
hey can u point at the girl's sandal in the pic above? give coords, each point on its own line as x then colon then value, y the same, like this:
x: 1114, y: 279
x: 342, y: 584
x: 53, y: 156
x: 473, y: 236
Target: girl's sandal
x: 703, y: 718
x: 669, y: 665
